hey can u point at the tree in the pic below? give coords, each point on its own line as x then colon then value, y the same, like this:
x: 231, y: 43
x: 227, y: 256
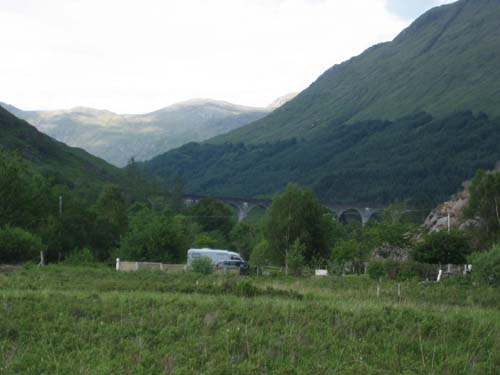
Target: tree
x: 296, y: 215
x: 155, y: 237
x: 484, y: 203
x: 443, y: 248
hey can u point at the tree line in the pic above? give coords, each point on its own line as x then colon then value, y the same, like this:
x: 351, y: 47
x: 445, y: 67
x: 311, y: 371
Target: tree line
x: 148, y: 222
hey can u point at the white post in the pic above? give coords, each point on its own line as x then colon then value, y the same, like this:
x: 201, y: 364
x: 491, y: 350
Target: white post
x: 42, y: 259
x: 118, y: 264
x: 449, y: 223
x: 439, y: 275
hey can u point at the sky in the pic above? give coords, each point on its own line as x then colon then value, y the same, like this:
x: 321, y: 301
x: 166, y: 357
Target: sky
x: 136, y: 56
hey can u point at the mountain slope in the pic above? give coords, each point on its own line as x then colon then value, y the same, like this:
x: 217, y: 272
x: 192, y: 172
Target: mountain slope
x: 117, y: 138
x: 446, y: 61
x: 67, y: 165
x: 420, y: 158
x: 410, y: 119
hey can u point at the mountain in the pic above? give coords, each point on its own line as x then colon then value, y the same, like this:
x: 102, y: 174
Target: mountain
x: 282, y: 100
x: 446, y: 61
x: 117, y: 138
x: 67, y: 165
x: 408, y: 119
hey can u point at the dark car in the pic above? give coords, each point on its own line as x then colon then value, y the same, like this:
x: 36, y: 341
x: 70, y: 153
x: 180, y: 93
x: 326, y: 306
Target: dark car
x: 234, y: 265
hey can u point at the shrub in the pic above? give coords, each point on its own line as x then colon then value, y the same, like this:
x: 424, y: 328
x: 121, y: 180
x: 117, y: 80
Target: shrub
x: 376, y: 269
x: 443, y: 248
x: 202, y: 265
x: 18, y: 245
x: 486, y: 266
x: 81, y: 257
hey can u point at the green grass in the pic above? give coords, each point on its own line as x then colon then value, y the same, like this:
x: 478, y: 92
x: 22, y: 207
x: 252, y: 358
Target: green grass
x: 62, y: 320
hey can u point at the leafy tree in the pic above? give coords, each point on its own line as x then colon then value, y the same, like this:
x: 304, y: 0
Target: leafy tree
x: 296, y: 215
x: 155, y: 237
x: 18, y: 245
x: 443, y: 248
x: 484, y: 203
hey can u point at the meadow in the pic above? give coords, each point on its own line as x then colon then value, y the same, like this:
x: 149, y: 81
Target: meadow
x: 94, y: 320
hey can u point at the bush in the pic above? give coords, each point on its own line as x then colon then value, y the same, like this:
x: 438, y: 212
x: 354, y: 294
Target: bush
x: 376, y: 270
x: 260, y: 255
x: 443, y: 248
x: 18, y: 245
x: 202, y: 265
x: 81, y: 257
x: 486, y: 266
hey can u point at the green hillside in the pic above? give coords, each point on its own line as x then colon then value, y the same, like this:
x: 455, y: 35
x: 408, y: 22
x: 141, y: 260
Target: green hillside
x: 410, y: 119
x: 446, y: 61
x: 420, y: 158
x: 65, y: 164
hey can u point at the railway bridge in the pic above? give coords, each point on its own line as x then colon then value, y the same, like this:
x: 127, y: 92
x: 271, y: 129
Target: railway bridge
x: 245, y: 205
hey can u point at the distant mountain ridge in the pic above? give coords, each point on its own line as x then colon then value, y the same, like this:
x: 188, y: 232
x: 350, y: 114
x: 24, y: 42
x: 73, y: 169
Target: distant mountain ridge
x: 117, y: 138
x: 408, y: 119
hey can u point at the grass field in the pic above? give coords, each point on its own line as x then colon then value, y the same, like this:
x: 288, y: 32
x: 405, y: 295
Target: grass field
x: 77, y: 320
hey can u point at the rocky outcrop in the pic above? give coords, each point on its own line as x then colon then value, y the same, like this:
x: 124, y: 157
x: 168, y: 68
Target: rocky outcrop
x: 451, y: 211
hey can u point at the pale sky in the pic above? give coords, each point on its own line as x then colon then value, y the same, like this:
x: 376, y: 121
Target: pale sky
x: 136, y: 56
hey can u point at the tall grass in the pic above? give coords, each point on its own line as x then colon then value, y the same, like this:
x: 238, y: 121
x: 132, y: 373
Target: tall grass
x: 71, y: 320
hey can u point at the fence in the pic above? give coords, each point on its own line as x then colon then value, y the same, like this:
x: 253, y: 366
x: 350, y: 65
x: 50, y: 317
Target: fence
x: 150, y: 266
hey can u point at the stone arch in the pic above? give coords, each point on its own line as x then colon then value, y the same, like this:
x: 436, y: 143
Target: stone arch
x: 344, y: 215
x: 252, y: 207
x: 375, y: 216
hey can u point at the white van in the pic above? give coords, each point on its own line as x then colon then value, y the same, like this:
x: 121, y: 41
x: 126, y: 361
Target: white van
x: 215, y: 255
